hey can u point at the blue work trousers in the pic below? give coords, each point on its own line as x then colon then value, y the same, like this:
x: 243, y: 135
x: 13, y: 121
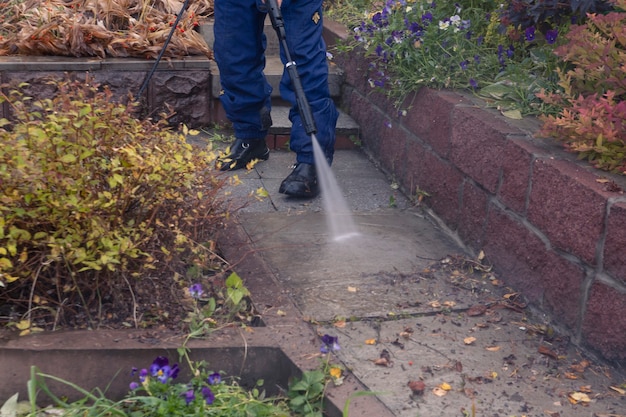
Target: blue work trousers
x: 239, y: 51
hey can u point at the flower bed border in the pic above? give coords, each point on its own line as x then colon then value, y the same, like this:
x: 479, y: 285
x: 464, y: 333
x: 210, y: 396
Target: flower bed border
x: 553, y: 227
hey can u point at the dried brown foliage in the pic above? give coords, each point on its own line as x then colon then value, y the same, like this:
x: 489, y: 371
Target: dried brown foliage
x: 102, y: 28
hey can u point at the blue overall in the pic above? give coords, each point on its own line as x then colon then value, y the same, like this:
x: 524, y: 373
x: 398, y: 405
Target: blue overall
x: 239, y: 51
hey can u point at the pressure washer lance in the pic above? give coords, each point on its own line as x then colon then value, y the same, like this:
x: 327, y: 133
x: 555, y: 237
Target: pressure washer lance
x: 303, y: 105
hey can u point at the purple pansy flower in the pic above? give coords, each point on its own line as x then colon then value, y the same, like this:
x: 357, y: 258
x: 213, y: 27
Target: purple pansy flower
x: 551, y: 36
x: 161, y: 369
x: 196, y: 291
x: 529, y: 33
x: 215, y: 378
x: 331, y: 343
x: 208, y: 395
x: 189, y: 396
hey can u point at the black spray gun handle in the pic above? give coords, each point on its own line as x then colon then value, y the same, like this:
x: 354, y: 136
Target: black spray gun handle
x: 303, y: 105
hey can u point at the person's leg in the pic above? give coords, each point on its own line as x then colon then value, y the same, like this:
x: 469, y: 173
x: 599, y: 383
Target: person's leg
x: 239, y: 53
x: 304, y: 28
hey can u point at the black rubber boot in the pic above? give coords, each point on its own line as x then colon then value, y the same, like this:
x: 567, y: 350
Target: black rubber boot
x: 241, y: 153
x: 301, y: 183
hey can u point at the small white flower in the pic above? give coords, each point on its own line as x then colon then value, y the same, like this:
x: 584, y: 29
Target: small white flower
x: 455, y: 20
x: 444, y: 25
x: 409, y: 9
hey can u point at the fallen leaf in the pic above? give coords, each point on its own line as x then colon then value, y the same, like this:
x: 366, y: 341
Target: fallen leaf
x: 618, y: 390
x: 548, y: 352
x: 281, y: 313
x: 417, y: 387
x: 405, y: 334
x: 340, y: 324
x: 370, y: 342
x: 579, y: 397
x: 382, y: 362
x: 262, y: 192
x: 434, y: 304
x: 493, y: 348
x: 476, y: 310
x: 510, y: 295
x: 352, y: 289
x: 449, y: 303
x: 445, y: 386
x: 580, y: 366
x: 570, y: 375
x: 23, y: 325
x: 469, y: 340
x: 481, y: 255
x: 439, y: 392
x: 585, y: 388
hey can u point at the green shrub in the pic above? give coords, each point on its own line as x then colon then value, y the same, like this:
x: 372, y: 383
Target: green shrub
x: 93, y: 201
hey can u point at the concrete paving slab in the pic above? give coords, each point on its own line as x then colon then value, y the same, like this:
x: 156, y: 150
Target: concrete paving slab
x: 436, y: 316
x: 362, y: 276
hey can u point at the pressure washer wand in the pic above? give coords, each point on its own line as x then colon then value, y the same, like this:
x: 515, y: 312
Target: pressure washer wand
x: 303, y: 105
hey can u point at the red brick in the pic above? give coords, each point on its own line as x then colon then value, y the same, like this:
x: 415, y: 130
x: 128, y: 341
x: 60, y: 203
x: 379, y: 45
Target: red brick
x: 370, y: 120
x: 522, y: 260
x: 393, y: 148
x: 478, y: 144
x: 345, y: 142
x: 428, y: 117
x: 281, y: 142
x: 519, y: 154
x: 413, y: 178
x: 604, y: 324
x: 473, y: 215
x: 567, y: 205
x: 615, y: 244
x: 356, y: 69
x: 443, y: 182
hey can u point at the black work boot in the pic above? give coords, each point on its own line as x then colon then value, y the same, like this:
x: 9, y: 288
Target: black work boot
x: 302, y: 182
x: 241, y: 152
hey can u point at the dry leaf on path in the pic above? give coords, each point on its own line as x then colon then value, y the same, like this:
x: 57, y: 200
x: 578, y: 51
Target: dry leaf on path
x: 370, y: 342
x: 469, y: 340
x: 382, y: 362
x: 618, y: 390
x: 578, y: 397
x: 493, y: 348
x: 548, y: 352
x: 340, y: 324
x: 417, y: 387
x: 445, y: 386
x: 439, y: 392
x: 476, y: 310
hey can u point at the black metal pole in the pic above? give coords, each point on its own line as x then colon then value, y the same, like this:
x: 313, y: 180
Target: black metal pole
x: 303, y: 105
x: 167, y: 42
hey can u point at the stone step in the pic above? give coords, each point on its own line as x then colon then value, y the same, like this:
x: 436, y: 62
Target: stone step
x: 347, y: 130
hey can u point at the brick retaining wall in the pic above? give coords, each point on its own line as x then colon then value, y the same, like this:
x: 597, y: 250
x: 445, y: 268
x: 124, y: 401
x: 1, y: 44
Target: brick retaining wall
x: 549, y: 227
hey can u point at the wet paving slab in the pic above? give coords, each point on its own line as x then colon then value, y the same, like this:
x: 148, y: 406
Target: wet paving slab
x: 427, y: 326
